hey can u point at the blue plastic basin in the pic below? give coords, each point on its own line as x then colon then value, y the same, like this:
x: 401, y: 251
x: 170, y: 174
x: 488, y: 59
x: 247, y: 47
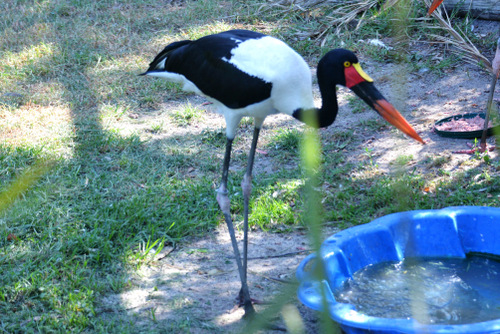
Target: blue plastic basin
x: 450, y: 232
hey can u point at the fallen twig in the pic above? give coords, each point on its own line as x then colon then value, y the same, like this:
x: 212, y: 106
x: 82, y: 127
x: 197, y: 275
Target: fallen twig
x: 279, y: 255
x: 279, y: 280
x: 168, y: 253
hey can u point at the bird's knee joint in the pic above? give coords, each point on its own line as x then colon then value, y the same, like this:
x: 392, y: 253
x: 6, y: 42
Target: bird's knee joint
x: 222, y: 191
x: 224, y: 203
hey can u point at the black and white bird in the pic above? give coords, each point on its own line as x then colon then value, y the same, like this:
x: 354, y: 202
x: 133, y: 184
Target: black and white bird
x: 246, y: 73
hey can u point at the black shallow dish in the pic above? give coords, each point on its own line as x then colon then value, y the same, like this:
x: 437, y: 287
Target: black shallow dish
x: 464, y: 134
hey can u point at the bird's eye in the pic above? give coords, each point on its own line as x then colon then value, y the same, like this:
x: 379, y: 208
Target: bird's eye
x: 347, y: 63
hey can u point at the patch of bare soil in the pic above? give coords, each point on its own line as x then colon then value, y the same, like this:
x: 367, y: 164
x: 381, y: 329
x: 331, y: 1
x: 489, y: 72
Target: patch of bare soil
x: 193, y: 288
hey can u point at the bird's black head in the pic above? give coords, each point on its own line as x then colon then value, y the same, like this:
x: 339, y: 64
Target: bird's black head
x: 341, y: 67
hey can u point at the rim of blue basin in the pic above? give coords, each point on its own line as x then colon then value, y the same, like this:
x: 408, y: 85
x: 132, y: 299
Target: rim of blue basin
x: 449, y: 232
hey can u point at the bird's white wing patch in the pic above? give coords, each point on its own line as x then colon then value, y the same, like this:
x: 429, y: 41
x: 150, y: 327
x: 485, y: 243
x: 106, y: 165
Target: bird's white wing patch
x: 161, y: 64
x: 274, y: 61
x: 264, y: 58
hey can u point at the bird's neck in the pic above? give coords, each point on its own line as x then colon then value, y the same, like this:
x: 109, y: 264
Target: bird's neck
x: 324, y: 116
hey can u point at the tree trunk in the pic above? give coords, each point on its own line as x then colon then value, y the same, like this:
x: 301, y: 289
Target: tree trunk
x: 483, y: 9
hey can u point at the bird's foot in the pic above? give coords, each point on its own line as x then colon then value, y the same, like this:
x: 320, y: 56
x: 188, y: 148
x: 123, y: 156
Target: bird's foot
x: 249, y: 311
x: 247, y: 304
x: 251, y: 315
x: 253, y: 301
x: 248, y: 308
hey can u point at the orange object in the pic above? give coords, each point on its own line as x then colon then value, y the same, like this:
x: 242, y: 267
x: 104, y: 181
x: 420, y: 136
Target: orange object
x: 435, y: 4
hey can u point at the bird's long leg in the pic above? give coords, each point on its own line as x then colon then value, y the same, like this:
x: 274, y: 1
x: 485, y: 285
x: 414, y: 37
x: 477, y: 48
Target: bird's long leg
x: 224, y: 203
x: 246, y: 186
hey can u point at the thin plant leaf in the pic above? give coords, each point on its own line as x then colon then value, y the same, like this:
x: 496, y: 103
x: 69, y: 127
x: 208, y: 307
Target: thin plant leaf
x: 460, y: 42
x: 19, y: 186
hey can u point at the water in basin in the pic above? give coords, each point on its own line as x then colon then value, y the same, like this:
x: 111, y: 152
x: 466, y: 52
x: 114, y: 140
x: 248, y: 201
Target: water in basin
x: 432, y: 291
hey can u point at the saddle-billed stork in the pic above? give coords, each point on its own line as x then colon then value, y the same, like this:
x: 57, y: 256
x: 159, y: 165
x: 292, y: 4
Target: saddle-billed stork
x: 246, y: 73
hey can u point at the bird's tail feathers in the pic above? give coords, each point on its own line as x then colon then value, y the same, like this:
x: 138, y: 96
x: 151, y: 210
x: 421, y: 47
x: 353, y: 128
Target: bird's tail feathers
x: 158, y: 64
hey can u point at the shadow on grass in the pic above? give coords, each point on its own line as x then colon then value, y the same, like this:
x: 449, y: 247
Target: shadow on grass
x: 70, y: 238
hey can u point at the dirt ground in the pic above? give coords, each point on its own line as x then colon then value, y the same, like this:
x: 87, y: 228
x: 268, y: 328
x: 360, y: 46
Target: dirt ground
x: 198, y: 282
x: 192, y: 288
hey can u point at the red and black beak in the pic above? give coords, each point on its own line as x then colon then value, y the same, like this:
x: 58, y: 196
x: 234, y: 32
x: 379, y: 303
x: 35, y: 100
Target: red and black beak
x: 361, y: 84
x: 435, y: 4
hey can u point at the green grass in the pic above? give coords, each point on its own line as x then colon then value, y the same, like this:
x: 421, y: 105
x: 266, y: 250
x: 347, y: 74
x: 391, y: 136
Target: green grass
x: 403, y: 160
x: 286, y: 140
x: 277, y: 205
x: 83, y: 217
x: 186, y: 115
x: 215, y: 138
x: 121, y: 184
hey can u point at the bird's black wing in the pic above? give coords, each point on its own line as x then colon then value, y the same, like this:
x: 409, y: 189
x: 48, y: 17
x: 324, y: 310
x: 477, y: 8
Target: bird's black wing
x: 205, y: 62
